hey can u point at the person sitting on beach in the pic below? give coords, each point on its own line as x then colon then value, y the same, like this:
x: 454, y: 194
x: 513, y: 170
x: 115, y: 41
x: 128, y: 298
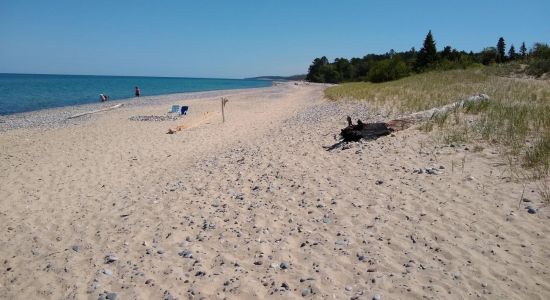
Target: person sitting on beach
x: 138, y: 92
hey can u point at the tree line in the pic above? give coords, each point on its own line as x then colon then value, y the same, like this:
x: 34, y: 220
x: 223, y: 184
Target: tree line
x: 394, y: 65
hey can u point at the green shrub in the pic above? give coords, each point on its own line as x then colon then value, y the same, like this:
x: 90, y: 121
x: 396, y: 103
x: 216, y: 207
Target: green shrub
x: 537, y: 67
x: 388, y: 70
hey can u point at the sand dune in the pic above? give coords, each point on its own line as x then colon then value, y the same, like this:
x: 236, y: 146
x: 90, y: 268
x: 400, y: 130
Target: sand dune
x: 256, y: 208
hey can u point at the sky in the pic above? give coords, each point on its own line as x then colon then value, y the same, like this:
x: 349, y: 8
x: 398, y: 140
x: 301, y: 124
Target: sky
x: 245, y: 38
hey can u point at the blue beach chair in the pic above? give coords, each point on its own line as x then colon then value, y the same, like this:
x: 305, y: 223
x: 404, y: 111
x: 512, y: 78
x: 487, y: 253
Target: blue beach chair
x: 184, y: 110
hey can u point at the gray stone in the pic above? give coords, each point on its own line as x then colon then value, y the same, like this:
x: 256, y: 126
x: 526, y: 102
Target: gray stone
x: 111, y: 296
x: 376, y: 297
x: 110, y: 259
x: 284, y: 266
x: 76, y: 248
x: 531, y: 209
x: 186, y: 254
x: 108, y: 272
x: 306, y: 292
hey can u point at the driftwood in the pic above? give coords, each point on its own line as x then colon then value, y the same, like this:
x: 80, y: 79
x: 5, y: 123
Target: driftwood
x: 95, y: 111
x: 372, y: 131
x: 368, y: 131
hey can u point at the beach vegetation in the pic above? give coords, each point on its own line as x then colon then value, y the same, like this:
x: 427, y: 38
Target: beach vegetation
x: 516, y: 118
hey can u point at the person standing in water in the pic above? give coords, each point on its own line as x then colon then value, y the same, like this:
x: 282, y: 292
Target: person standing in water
x: 138, y: 92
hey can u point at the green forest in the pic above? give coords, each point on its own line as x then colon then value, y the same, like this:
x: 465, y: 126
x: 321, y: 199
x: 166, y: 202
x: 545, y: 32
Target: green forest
x: 395, y: 65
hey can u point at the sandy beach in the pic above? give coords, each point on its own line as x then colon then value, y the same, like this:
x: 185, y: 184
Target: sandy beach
x: 102, y: 206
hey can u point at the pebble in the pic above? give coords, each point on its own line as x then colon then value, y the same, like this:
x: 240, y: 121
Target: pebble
x: 76, y: 248
x: 110, y: 259
x: 167, y: 296
x: 483, y: 285
x: 108, y: 272
x: 285, y: 286
x: 306, y: 292
x: 531, y: 209
x: 376, y: 297
x: 186, y: 254
x: 111, y: 296
x: 349, y: 288
x: 283, y: 266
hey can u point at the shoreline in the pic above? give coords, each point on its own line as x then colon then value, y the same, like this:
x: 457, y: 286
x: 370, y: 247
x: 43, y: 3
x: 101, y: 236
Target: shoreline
x: 58, y: 115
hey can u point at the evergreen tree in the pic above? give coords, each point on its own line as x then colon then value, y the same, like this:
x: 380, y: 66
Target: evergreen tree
x: 501, y: 50
x: 315, y: 73
x: 523, y: 50
x: 512, y: 53
x: 427, y: 56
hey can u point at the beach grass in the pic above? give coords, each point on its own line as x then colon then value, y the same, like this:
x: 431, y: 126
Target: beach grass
x: 517, y: 117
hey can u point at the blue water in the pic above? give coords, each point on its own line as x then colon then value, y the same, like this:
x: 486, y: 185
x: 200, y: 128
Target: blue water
x: 28, y: 92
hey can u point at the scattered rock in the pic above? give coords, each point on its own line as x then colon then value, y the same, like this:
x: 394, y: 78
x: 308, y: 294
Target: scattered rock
x: 167, y: 296
x: 376, y: 297
x: 531, y: 209
x: 306, y: 292
x: 341, y: 242
x: 186, y: 254
x: 111, y: 296
x: 283, y: 266
x: 108, y: 272
x: 76, y: 248
x: 110, y: 259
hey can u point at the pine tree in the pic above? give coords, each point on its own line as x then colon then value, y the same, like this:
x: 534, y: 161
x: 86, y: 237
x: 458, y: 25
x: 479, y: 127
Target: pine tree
x: 523, y: 50
x: 427, y: 56
x: 512, y: 53
x: 501, y: 50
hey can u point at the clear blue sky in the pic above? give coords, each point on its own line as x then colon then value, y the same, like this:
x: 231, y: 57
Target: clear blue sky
x: 238, y: 38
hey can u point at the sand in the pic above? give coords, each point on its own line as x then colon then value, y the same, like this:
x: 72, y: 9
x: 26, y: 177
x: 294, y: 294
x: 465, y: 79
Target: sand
x: 257, y: 208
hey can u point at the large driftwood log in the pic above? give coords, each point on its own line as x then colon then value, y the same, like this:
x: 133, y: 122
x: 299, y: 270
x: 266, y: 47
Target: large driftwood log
x: 369, y: 131
x: 372, y: 131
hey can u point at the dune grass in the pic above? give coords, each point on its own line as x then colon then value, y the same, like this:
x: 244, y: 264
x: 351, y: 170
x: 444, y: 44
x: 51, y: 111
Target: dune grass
x: 517, y: 117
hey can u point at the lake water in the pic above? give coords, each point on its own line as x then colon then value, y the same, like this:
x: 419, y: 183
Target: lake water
x: 28, y: 92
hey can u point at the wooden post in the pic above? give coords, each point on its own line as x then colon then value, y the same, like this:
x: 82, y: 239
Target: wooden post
x: 224, y: 101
